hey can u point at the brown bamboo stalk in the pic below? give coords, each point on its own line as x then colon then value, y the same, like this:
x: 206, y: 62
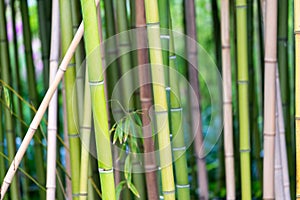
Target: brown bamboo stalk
x: 283, y: 152
x: 146, y: 101
x: 270, y: 98
x: 227, y: 101
x: 195, y: 104
x: 52, y: 111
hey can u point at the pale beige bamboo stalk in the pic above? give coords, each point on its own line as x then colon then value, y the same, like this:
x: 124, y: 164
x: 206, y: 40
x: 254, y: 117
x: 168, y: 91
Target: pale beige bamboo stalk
x: 66, y: 141
x: 270, y: 98
x: 279, y: 191
x: 52, y: 111
x: 227, y: 101
x: 41, y: 111
x: 283, y: 153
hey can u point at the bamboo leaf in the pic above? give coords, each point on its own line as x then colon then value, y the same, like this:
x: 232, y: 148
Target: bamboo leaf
x: 119, y: 189
x: 127, y: 169
x: 137, y: 119
x: 133, y: 189
x: 127, y: 129
x: 7, y: 97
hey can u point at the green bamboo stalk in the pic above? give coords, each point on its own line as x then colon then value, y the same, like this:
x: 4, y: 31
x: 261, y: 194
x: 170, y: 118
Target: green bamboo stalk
x: 243, y: 100
x: 45, y: 39
x: 195, y: 104
x: 52, y: 111
x: 5, y: 76
x: 18, y: 87
x: 33, y: 96
x: 285, y: 86
x: 270, y: 99
x: 95, y: 74
x: 146, y: 102
x: 79, y: 57
x: 179, y: 148
x: 160, y: 99
x: 85, y: 141
x: 71, y: 96
x: 227, y: 101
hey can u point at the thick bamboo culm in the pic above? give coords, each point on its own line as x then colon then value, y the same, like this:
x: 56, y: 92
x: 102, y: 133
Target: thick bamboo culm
x: 52, y: 111
x: 243, y: 101
x: 9, y: 131
x: 98, y: 99
x: 227, y: 101
x: 195, y: 105
x: 270, y: 98
x: 33, y: 94
x: 283, y: 149
x: 297, y: 92
x: 160, y: 99
x: 146, y: 101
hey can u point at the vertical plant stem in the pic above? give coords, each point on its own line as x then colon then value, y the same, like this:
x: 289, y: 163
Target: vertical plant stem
x: 270, y: 98
x: 195, y: 104
x: 227, y: 101
x: 146, y: 101
x: 297, y: 93
x: 52, y: 111
x: 95, y: 74
x: 160, y: 99
x: 9, y: 130
x: 71, y: 96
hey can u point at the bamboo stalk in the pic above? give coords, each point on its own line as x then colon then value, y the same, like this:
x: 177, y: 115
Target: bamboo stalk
x: 297, y: 93
x: 33, y: 96
x: 270, y: 98
x: 85, y: 141
x: 195, y: 103
x: 40, y: 112
x: 283, y: 151
x: 227, y: 101
x: 278, y: 175
x: 96, y: 82
x: 160, y: 99
x: 44, y: 36
x: 243, y: 101
x: 5, y: 76
x: 52, y: 111
x: 176, y: 117
x: 146, y: 101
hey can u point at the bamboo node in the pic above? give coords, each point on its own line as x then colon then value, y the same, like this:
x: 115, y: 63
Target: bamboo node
x: 225, y: 46
x: 282, y: 39
x: 151, y: 167
x: 71, y: 65
x: 161, y: 112
x: 2, y: 40
x: 85, y: 127
x: 166, y: 37
x: 172, y: 57
x: 95, y: 83
x: 270, y: 60
x: 152, y: 23
x: 105, y: 171
x: 179, y: 109
x: 242, y: 81
x: 241, y: 6
x: 79, y: 194
x: 32, y: 128
x: 70, y: 135
x: 168, y: 88
x: 140, y: 25
x: 168, y: 192
x: 227, y: 102
x: 179, y: 148
x: 269, y: 134
x: 124, y: 45
x: 63, y: 70
x: 245, y: 150
x: 183, y: 186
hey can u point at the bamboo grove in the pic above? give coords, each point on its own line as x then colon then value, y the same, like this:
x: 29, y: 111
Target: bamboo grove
x: 149, y: 99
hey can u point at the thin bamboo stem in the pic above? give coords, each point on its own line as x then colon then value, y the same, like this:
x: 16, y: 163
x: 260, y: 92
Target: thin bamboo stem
x: 52, y: 111
x: 243, y: 101
x: 227, y: 101
x: 195, y: 104
x: 160, y: 99
x: 33, y: 95
x: 297, y: 93
x: 283, y: 150
x: 5, y: 76
x: 270, y: 98
x: 146, y: 101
